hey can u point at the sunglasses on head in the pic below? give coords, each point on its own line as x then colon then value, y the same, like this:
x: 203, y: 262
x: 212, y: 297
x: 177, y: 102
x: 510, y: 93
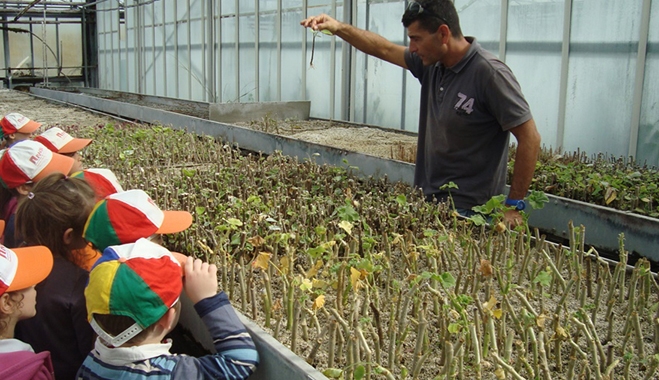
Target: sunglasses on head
x: 417, y: 9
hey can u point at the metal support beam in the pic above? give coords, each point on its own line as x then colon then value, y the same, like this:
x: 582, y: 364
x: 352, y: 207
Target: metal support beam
x: 565, y: 64
x: 503, y: 30
x: 27, y: 8
x: 639, y: 78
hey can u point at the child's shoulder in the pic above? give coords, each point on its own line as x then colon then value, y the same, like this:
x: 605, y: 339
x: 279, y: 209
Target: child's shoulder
x: 25, y: 365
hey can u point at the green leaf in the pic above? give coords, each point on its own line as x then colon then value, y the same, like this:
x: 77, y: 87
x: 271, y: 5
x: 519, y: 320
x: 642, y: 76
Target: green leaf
x: 333, y: 373
x: 447, y: 280
x: 327, y: 32
x: 199, y: 210
x: 188, y: 172
x: 234, y: 222
x: 454, y: 328
x: 544, y: 278
x: 359, y: 373
x: 538, y: 199
x: 447, y: 186
x: 401, y: 200
x: 478, y: 220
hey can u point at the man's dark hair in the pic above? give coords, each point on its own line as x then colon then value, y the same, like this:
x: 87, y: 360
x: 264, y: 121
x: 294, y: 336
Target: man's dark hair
x: 435, y: 13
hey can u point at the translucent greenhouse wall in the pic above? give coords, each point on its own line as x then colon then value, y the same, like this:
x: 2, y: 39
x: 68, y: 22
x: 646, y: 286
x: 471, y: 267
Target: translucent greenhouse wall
x: 587, y: 67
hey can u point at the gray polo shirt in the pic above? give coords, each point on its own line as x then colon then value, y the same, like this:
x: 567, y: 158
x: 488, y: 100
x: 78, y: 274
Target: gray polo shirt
x: 466, y: 112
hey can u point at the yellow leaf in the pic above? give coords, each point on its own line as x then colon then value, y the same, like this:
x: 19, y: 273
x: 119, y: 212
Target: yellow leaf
x: 560, y: 332
x: 261, y: 261
x: 346, y: 226
x: 306, y: 285
x: 497, y: 313
x: 284, y: 261
x: 319, y: 284
x: 489, y: 305
x: 486, y: 268
x: 500, y: 227
x: 355, y: 275
x: 313, y: 271
x: 610, y: 195
x: 397, y: 238
x: 540, y: 321
x: 500, y: 373
x: 256, y: 241
x: 318, y: 303
x: 276, y: 306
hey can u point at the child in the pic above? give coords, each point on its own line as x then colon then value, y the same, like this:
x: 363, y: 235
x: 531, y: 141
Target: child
x: 22, y: 165
x: 61, y: 142
x: 20, y: 270
x: 54, y: 214
x: 125, y: 217
x: 131, y: 303
x: 103, y: 181
x: 15, y: 128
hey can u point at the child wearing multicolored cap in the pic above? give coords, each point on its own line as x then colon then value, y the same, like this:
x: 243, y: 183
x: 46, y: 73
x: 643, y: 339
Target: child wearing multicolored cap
x: 131, y: 303
x: 21, y: 166
x: 15, y: 128
x: 53, y: 214
x: 61, y: 142
x: 124, y: 217
x: 20, y: 270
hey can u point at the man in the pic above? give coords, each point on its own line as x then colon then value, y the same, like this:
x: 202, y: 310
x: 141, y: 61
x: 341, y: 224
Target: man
x: 469, y: 102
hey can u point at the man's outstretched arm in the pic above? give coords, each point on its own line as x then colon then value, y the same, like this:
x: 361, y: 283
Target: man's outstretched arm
x: 365, y: 41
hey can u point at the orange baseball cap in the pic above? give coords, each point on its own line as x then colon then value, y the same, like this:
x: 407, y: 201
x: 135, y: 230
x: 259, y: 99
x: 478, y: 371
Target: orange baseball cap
x: 59, y: 141
x: 21, y: 268
x: 30, y: 161
x: 15, y: 122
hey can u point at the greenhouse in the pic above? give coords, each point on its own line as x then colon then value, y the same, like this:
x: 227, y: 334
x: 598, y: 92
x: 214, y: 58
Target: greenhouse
x: 305, y: 165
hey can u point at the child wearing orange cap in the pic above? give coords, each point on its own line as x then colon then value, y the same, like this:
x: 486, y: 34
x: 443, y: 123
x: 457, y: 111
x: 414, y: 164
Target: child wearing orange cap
x: 20, y: 270
x: 53, y: 214
x: 133, y: 300
x: 21, y: 166
x: 15, y: 128
x: 61, y: 142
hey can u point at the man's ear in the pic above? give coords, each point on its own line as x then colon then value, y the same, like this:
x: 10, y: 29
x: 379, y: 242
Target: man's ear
x: 10, y: 137
x: 24, y: 189
x: 67, y: 237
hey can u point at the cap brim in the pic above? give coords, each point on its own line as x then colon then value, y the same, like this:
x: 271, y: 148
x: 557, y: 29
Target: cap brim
x: 175, y: 221
x: 58, y: 164
x: 30, y: 127
x: 75, y: 145
x: 34, y: 265
x: 182, y: 259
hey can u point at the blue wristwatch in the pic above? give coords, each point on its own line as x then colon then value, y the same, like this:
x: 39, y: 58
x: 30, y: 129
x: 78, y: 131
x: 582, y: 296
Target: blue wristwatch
x: 519, y: 204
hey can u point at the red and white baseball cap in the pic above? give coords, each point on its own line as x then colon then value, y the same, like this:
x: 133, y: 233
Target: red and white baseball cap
x: 15, y: 122
x: 125, y: 217
x: 21, y: 268
x: 61, y: 142
x: 103, y: 181
x: 29, y: 161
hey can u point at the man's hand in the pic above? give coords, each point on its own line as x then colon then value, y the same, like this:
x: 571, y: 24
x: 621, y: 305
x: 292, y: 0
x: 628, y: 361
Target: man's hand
x: 200, y: 279
x: 322, y: 22
x: 512, y: 218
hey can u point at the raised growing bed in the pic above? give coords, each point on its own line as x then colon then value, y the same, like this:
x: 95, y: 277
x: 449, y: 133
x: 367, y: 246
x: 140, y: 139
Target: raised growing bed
x: 604, y: 224
x: 364, y: 279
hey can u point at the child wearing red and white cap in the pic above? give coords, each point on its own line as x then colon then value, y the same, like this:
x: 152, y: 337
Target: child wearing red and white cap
x: 20, y: 270
x: 61, y: 142
x: 22, y: 165
x: 15, y: 128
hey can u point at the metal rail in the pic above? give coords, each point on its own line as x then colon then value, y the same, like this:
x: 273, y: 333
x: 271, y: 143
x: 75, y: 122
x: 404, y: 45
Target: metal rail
x: 603, y: 225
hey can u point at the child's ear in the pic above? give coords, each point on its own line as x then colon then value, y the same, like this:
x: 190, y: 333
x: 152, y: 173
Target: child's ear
x: 24, y: 189
x: 68, y: 237
x: 6, y: 305
x: 168, y: 320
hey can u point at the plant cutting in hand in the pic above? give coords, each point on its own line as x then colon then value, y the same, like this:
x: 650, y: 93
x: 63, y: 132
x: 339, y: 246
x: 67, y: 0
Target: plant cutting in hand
x: 313, y: 42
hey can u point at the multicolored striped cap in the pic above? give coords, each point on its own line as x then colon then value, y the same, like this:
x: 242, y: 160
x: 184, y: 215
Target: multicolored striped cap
x: 128, y: 216
x: 61, y: 142
x: 141, y: 280
x: 103, y: 181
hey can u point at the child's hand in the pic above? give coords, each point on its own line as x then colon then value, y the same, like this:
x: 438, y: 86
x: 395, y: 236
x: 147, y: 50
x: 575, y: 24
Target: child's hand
x: 200, y: 279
